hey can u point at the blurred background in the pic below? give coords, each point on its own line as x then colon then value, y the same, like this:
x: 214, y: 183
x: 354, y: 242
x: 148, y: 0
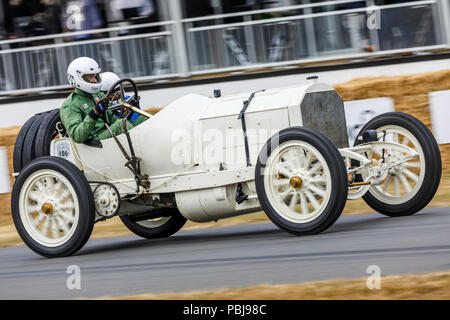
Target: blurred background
x: 173, y: 40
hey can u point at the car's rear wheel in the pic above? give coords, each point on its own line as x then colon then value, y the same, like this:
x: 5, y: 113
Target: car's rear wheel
x: 301, y: 181
x: 169, y: 223
x: 53, y: 207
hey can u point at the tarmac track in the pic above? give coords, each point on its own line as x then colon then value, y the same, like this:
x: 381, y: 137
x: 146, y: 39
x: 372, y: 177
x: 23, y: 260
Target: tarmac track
x: 237, y: 256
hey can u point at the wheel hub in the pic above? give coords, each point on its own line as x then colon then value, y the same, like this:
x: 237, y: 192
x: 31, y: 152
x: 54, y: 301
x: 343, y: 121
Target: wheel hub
x: 296, y: 182
x: 47, y: 208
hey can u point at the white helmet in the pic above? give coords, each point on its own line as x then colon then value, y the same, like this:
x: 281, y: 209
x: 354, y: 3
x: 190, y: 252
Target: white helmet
x: 79, y: 69
x: 108, y: 79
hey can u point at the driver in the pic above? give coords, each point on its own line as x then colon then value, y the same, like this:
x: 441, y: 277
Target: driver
x: 84, y: 111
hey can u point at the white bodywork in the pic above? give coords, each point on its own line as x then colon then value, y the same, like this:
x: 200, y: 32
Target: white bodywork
x: 194, y: 148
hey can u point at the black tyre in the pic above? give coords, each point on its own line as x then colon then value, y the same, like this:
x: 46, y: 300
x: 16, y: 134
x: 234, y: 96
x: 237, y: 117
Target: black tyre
x: 20, y: 141
x: 301, y: 181
x: 28, y: 152
x: 46, y: 133
x: 156, y: 228
x: 409, y: 187
x: 53, y: 207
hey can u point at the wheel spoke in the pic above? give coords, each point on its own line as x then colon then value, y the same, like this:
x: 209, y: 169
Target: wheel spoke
x: 33, y: 208
x: 405, y: 141
x: 387, y: 183
x: 319, y: 179
x: 39, y: 186
x: 405, y: 183
x: 315, y: 167
x: 395, y: 137
x: 62, y: 224
x: 280, y: 182
x: 283, y: 171
x: 306, y: 158
x: 284, y: 194
x: 65, y: 194
x: 396, y: 187
x: 69, y: 206
x: 293, y: 201
x: 46, y: 226
x: 287, y: 164
x: 300, y: 160
x: 34, y: 196
x: 304, y: 204
x: 69, y: 218
x: 37, y: 221
x: 312, y: 199
x: 50, y: 183
x: 58, y: 185
x: 411, y: 175
x: 291, y: 156
x: 412, y: 164
x: 317, y: 190
x: 54, y: 228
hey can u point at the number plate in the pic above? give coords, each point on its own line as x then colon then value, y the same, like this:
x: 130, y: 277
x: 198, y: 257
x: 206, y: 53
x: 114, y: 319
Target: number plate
x: 63, y: 150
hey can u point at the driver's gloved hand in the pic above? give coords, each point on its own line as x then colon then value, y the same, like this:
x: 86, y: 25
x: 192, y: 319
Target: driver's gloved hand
x: 99, y: 109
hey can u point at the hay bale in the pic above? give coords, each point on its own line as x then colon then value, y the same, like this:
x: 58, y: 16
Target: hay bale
x: 8, y: 136
x: 396, y: 86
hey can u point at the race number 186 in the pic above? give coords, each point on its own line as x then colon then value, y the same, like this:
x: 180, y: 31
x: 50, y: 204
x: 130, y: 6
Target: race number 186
x: 63, y: 150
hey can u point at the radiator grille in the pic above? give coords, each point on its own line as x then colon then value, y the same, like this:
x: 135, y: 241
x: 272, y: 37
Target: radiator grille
x: 324, y: 111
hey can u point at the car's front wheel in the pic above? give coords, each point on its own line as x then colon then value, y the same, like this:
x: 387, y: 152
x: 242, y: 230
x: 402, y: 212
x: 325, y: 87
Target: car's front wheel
x: 301, y: 181
x: 410, y: 185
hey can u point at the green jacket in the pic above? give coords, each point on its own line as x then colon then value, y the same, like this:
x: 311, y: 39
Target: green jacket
x: 74, y: 116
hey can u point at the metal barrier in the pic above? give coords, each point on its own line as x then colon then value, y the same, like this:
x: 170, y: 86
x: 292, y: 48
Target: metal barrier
x: 43, y: 67
x: 227, y: 42
x: 314, y: 35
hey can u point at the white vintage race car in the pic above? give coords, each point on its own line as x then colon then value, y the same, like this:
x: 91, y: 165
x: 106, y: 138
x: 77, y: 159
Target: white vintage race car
x: 284, y: 151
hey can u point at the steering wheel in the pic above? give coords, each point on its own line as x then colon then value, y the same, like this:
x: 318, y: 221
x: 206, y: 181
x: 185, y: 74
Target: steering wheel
x: 123, y: 102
